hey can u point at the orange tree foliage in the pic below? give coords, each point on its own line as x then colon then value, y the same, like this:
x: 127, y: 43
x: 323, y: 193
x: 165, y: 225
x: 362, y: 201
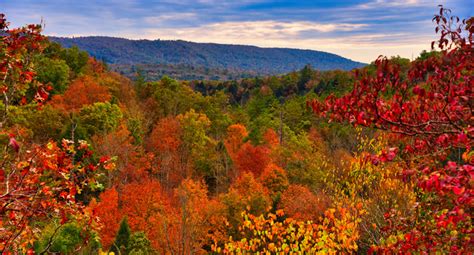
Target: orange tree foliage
x: 275, y: 234
x: 182, y: 146
x: 274, y: 179
x: 201, y: 222
x: 249, y: 158
x: 165, y: 141
x: 119, y: 87
x: 252, y: 159
x: 129, y: 164
x: 430, y: 109
x: 236, y: 134
x: 145, y: 207
x: 137, y: 169
x: 300, y: 203
x: 149, y: 210
x: 107, y: 211
x: 246, y: 193
x: 271, y: 138
x: 82, y: 91
x: 186, y: 222
x: 246, y: 157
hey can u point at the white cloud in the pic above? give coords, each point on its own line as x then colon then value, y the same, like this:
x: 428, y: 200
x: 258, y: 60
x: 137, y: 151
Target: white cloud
x: 360, y: 32
x: 250, y: 29
x: 395, y: 3
x: 160, y: 19
x: 365, y: 48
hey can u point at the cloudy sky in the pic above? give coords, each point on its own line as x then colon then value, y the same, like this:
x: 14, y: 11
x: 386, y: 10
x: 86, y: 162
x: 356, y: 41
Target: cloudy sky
x: 357, y: 29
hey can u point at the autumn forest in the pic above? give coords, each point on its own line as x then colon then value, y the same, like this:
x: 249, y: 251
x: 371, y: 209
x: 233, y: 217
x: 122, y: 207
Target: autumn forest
x: 377, y: 160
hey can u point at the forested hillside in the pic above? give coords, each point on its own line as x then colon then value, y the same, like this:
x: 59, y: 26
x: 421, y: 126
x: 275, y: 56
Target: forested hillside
x: 374, y: 160
x: 157, y: 57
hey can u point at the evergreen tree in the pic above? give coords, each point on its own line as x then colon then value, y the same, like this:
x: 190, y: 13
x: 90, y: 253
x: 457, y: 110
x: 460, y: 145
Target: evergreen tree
x: 121, y: 240
x: 139, y: 244
x: 305, y: 76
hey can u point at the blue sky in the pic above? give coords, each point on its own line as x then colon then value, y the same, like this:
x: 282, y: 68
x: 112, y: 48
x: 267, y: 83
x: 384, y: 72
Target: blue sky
x: 357, y: 29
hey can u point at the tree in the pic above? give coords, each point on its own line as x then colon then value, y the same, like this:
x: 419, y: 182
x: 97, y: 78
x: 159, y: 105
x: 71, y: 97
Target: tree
x: 42, y: 183
x: 202, y: 221
x: 173, y: 98
x: 100, y: 118
x: 305, y: 77
x: 82, y: 91
x: 37, y: 182
x: 149, y: 210
x: 17, y: 48
x: 53, y: 72
x: 139, y: 244
x: 273, y: 233
x: 122, y: 239
x: 425, y: 54
x: 63, y: 239
x: 165, y: 141
x: 76, y: 59
x: 129, y: 166
x: 194, y: 136
x: 234, y: 140
x: 42, y: 124
x: 299, y: 203
x: 275, y: 180
x: 252, y: 159
x: 246, y: 193
x: 107, y: 210
x: 271, y: 138
x: 429, y: 110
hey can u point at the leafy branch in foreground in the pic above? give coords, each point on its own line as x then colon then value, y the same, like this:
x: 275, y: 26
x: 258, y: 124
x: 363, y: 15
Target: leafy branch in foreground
x: 430, y: 112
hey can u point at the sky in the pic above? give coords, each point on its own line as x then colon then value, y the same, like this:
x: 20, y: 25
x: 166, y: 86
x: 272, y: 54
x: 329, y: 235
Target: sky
x: 357, y: 29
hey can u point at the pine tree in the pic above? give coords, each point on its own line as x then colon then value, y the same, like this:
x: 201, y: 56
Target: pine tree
x: 121, y: 240
x: 305, y: 76
x: 139, y: 244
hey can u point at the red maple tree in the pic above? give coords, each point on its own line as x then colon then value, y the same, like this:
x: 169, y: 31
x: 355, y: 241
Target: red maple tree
x: 37, y: 182
x: 430, y: 110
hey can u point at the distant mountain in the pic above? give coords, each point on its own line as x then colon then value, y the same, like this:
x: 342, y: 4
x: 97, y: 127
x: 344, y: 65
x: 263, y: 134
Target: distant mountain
x: 124, y: 54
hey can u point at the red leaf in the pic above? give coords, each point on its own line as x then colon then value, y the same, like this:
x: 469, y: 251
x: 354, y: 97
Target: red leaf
x: 360, y: 118
x: 104, y: 159
x: 458, y: 190
x: 63, y: 217
x: 392, y: 152
x: 23, y: 101
x: 12, y: 215
x: 14, y: 144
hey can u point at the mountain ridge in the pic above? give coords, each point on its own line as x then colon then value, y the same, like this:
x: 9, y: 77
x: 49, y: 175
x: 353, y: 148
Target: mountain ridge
x: 235, y: 57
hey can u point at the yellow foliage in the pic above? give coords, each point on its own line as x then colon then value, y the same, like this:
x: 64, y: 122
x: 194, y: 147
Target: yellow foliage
x: 336, y: 233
